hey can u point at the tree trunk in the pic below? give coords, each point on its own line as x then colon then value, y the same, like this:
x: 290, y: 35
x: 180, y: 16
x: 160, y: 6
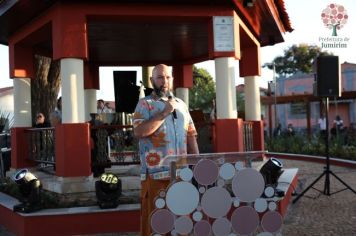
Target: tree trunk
x: 45, y: 87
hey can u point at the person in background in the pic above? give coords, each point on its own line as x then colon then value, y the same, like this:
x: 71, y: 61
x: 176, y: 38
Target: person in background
x: 108, y: 108
x: 55, y: 118
x: 163, y: 125
x: 101, y: 108
x: 278, y: 130
x: 322, y: 126
x: 290, y: 130
x: 59, y: 106
x: 41, y: 121
x: 339, y: 123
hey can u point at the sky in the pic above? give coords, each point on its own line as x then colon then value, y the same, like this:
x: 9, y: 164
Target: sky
x: 305, y: 18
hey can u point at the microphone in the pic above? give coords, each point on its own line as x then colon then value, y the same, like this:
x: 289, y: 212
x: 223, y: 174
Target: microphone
x: 170, y: 96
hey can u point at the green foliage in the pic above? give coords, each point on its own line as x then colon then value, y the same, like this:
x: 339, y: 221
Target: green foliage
x: 297, y: 58
x: 299, y: 144
x: 6, y: 119
x: 203, y: 91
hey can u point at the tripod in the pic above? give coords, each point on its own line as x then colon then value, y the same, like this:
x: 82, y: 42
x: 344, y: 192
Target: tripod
x: 327, y: 172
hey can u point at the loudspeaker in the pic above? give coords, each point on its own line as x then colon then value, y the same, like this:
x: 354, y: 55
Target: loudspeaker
x: 126, y: 91
x: 328, y: 76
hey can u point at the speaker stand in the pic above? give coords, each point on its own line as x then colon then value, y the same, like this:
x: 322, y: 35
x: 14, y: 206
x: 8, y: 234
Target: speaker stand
x: 327, y: 172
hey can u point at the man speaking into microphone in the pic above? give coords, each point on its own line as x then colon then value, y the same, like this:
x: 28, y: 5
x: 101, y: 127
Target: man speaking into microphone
x: 163, y: 125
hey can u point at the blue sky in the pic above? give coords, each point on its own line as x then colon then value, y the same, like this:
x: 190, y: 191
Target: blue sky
x: 305, y: 17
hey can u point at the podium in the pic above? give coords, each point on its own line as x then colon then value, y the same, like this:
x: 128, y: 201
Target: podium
x: 214, y: 194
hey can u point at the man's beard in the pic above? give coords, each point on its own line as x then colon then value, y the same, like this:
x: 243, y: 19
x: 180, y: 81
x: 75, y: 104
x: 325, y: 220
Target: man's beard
x: 159, y: 91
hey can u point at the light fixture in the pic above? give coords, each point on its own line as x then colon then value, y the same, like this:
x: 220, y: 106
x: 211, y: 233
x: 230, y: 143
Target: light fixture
x: 108, y: 190
x: 271, y: 171
x: 248, y: 3
x: 30, y: 188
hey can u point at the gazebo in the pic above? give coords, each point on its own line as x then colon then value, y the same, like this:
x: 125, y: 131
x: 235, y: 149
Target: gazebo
x: 85, y: 35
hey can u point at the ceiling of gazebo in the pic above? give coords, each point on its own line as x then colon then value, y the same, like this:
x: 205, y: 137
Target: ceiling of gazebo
x: 147, y: 40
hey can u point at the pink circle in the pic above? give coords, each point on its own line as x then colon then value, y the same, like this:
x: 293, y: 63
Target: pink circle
x: 334, y: 12
x: 206, y: 172
x: 332, y: 5
x: 325, y: 21
x: 162, y: 221
x: 341, y: 8
x: 244, y: 220
x: 340, y: 16
x: 202, y: 228
x: 323, y: 14
x: 271, y: 221
x: 346, y: 16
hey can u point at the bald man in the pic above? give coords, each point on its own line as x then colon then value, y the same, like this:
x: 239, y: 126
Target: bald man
x: 164, y: 127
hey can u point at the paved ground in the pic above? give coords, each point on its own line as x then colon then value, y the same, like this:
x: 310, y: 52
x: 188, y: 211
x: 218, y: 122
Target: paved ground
x: 313, y: 214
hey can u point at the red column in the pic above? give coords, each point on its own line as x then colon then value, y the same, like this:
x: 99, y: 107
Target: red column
x: 258, y: 136
x: 183, y: 76
x: 20, y: 149
x: 228, y: 135
x: 73, y: 153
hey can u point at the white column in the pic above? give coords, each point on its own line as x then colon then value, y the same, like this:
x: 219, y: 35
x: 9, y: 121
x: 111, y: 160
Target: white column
x: 252, y: 98
x: 225, y: 88
x: 183, y: 93
x: 72, y: 76
x: 90, y: 103
x: 22, y: 102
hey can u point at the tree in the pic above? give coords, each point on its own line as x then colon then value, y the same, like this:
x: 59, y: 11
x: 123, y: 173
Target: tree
x: 45, y: 87
x: 334, y: 17
x: 297, y: 58
x: 202, y: 93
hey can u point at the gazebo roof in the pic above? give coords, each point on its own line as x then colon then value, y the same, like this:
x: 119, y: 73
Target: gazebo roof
x: 179, y: 35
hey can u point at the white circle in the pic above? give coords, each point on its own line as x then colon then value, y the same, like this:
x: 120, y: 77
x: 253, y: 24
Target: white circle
x: 186, y: 174
x: 260, y: 205
x: 182, y: 198
x: 202, y: 189
x: 220, y: 183
x: 269, y: 191
x: 227, y: 171
x: 160, y: 203
x: 272, y: 206
x: 239, y: 165
x: 236, y: 202
x: 197, y: 216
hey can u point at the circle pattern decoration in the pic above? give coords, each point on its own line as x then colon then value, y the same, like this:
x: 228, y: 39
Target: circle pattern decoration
x: 221, y: 226
x: 227, y: 171
x: 242, y: 185
x: 206, y: 172
x: 202, y: 228
x: 183, y: 225
x: 186, y: 174
x: 214, y: 208
x: 160, y: 203
x: 162, y: 221
x: 271, y: 221
x: 182, y: 198
x: 260, y: 205
x: 244, y: 220
x: 269, y: 191
x: 233, y: 197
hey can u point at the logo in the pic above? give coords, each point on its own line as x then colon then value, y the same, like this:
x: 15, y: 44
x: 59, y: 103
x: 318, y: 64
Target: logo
x: 334, y: 17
